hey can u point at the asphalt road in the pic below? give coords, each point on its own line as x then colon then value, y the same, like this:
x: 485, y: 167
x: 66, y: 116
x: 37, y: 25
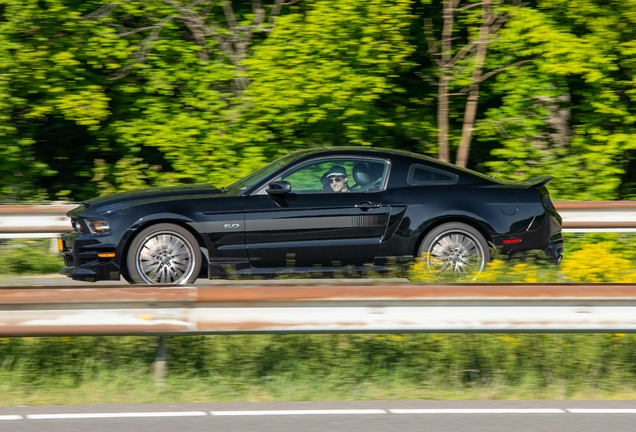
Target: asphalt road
x: 373, y: 416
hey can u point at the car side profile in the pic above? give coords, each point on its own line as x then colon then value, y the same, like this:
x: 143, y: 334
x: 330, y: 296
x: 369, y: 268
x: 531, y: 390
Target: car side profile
x: 316, y: 212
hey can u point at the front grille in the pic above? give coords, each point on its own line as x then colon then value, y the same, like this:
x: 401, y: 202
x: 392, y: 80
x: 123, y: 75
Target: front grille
x: 68, y: 260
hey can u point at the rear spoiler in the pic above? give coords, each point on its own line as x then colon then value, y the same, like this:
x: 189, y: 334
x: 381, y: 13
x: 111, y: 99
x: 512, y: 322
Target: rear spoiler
x: 536, y: 182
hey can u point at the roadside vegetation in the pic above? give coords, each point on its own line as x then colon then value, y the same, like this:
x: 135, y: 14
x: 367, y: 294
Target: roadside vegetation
x: 81, y: 370
x: 19, y: 257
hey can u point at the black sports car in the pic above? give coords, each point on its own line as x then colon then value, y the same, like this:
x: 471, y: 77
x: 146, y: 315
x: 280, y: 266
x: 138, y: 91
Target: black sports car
x: 318, y: 211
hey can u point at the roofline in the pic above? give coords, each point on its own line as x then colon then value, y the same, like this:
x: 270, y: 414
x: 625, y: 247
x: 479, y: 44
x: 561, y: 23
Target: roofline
x: 378, y: 150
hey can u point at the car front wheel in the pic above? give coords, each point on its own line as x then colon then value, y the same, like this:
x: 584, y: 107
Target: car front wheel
x: 164, y: 254
x: 454, y: 252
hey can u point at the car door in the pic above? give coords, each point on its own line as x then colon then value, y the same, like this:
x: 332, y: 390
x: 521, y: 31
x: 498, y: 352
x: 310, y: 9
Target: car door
x: 311, y: 226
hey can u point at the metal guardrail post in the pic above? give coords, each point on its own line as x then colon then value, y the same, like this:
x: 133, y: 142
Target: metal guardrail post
x: 161, y: 361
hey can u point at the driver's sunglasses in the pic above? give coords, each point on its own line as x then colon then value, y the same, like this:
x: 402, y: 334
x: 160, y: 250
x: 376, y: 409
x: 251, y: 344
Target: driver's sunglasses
x: 336, y: 179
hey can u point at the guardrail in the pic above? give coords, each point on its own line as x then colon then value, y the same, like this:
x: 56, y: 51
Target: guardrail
x: 49, y: 221
x: 280, y: 308
x: 597, y: 216
x: 34, y: 221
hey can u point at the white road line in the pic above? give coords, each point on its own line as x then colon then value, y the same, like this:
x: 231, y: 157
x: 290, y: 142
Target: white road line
x: 478, y: 411
x: 297, y: 412
x: 601, y: 411
x: 115, y: 415
x: 323, y: 412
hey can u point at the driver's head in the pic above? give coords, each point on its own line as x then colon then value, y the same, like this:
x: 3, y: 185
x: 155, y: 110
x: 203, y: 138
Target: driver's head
x: 337, y: 179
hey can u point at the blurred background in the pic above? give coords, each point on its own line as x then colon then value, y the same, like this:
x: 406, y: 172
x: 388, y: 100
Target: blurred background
x: 100, y: 97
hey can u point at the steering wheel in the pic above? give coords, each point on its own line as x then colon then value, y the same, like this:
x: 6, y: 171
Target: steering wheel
x: 373, y: 185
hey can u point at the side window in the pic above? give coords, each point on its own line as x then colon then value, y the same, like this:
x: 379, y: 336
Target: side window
x: 425, y: 175
x: 338, y: 175
x: 306, y: 178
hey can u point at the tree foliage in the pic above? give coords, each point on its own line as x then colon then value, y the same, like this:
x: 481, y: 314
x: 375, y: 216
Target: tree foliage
x: 97, y: 97
x: 320, y: 78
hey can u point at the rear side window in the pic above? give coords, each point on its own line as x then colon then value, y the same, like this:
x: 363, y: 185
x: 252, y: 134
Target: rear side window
x: 425, y: 175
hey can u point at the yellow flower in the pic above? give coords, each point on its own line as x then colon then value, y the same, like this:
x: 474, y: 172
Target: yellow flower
x: 595, y: 263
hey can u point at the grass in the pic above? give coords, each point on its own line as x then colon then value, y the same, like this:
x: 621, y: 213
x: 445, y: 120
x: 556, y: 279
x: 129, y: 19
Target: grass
x: 138, y: 386
x: 255, y: 368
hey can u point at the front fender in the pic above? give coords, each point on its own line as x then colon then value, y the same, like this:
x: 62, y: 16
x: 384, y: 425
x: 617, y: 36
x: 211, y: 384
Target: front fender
x: 166, y: 217
x: 160, y: 217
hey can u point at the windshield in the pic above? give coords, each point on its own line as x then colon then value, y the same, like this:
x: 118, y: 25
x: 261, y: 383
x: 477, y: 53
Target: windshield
x: 262, y: 173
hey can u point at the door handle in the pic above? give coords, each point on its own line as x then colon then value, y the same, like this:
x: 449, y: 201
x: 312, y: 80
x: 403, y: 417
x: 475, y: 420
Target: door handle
x: 365, y: 206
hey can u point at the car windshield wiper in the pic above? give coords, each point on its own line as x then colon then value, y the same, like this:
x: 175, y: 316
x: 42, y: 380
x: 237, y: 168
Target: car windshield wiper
x: 224, y: 190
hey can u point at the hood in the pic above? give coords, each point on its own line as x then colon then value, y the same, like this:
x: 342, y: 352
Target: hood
x: 108, y: 203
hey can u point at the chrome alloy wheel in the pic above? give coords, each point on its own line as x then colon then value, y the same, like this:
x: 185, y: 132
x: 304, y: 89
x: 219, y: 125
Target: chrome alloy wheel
x: 165, y: 258
x: 455, y: 254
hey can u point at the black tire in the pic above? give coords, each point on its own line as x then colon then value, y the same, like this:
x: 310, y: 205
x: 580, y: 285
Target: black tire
x: 164, y: 254
x: 454, y: 252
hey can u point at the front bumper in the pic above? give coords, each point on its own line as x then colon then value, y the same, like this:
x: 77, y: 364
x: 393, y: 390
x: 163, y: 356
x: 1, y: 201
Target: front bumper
x: 92, y: 272
x: 82, y: 261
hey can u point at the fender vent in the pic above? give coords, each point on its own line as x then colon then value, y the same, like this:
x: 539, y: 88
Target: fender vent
x: 365, y: 221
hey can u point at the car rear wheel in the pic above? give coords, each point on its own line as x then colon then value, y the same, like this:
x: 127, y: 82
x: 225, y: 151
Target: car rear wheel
x: 164, y: 254
x: 454, y: 252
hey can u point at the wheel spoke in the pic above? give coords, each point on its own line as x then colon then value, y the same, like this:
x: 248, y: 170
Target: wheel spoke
x: 177, y: 272
x: 173, y: 244
x: 149, y: 266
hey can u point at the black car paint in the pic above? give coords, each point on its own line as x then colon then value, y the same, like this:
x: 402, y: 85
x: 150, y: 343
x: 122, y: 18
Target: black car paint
x: 299, y: 233
x: 244, y: 233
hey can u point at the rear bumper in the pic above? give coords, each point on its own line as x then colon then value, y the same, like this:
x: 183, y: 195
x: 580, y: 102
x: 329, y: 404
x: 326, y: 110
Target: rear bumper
x: 545, y: 241
x: 554, y: 251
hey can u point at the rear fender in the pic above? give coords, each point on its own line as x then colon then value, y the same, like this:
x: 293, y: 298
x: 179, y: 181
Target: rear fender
x: 469, y: 219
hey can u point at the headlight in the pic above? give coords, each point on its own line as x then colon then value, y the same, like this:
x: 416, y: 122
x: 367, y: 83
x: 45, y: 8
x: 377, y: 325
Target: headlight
x: 98, y: 226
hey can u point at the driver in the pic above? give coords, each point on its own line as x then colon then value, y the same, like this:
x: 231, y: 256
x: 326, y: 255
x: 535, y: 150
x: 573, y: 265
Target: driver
x: 336, y: 178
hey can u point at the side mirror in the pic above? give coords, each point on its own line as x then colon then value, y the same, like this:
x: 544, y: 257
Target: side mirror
x: 278, y: 188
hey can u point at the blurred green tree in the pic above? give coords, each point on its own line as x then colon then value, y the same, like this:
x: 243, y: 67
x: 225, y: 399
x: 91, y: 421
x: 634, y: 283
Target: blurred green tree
x: 51, y: 99
x: 323, y: 75
x: 97, y: 97
x: 573, y: 108
x: 185, y: 80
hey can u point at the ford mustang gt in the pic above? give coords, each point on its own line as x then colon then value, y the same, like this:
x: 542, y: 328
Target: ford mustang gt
x: 314, y: 212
